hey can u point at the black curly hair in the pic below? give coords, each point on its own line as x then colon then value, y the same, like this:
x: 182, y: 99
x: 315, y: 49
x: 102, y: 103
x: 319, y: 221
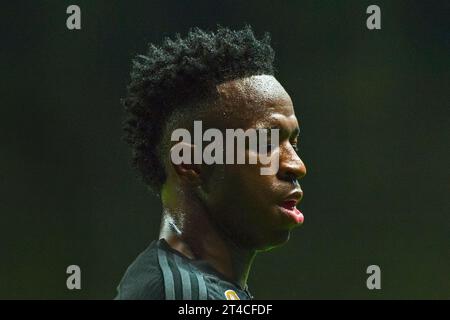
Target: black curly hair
x: 180, y: 74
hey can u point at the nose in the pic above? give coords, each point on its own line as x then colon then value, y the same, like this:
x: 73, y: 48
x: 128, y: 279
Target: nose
x: 291, y: 168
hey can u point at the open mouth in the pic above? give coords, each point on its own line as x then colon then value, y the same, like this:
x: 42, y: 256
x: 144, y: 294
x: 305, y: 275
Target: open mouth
x: 289, y: 208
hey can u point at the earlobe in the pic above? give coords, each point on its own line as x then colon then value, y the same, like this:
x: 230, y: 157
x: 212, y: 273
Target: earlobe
x: 181, y: 159
x: 189, y: 173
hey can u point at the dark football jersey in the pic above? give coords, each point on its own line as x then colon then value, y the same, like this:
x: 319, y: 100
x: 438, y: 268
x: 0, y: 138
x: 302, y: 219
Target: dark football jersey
x: 162, y: 273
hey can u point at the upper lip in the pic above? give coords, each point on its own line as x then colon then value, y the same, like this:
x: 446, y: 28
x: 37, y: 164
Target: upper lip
x: 295, y: 195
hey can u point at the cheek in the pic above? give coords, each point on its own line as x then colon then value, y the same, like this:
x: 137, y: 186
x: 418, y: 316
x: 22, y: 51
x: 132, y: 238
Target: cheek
x: 247, y: 184
x: 239, y: 187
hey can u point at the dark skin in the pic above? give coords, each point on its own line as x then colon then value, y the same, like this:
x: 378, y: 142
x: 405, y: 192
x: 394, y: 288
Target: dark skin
x: 225, y: 214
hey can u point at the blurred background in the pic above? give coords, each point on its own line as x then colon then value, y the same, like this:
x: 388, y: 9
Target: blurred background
x: 374, y: 108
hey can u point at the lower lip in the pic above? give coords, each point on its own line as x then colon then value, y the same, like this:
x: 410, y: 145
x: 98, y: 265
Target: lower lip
x: 294, y: 214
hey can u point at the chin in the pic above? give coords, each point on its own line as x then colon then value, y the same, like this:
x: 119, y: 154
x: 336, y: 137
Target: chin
x: 275, y: 239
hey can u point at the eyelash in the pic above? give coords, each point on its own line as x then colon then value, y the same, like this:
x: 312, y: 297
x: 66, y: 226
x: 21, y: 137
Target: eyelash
x: 293, y: 144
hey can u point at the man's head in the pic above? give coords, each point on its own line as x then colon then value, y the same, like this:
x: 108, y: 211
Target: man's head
x: 225, y: 79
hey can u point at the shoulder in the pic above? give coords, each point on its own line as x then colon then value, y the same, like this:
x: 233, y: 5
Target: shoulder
x: 143, y: 279
x: 160, y: 273
x: 182, y: 280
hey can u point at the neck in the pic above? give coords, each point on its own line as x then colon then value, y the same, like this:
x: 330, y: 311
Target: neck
x: 187, y: 227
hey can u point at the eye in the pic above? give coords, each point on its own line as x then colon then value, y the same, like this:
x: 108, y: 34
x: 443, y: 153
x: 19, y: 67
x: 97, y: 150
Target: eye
x: 295, y: 146
x: 269, y: 145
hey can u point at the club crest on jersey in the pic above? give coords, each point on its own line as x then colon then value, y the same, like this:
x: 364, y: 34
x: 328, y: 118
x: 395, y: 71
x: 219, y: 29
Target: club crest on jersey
x: 231, y: 295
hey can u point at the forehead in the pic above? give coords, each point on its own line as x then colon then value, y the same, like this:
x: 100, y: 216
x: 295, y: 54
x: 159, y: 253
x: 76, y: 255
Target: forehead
x: 256, y: 97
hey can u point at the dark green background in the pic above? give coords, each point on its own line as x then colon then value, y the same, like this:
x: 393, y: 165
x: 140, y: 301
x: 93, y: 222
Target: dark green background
x: 374, y: 107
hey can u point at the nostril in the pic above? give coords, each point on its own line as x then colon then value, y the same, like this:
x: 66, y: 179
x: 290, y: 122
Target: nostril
x: 289, y: 177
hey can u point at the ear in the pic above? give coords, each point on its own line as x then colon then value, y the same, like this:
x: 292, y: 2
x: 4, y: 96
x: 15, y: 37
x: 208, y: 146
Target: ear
x: 189, y: 173
x: 182, y: 161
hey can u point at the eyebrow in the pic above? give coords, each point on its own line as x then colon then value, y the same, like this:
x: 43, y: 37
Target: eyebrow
x: 283, y: 131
